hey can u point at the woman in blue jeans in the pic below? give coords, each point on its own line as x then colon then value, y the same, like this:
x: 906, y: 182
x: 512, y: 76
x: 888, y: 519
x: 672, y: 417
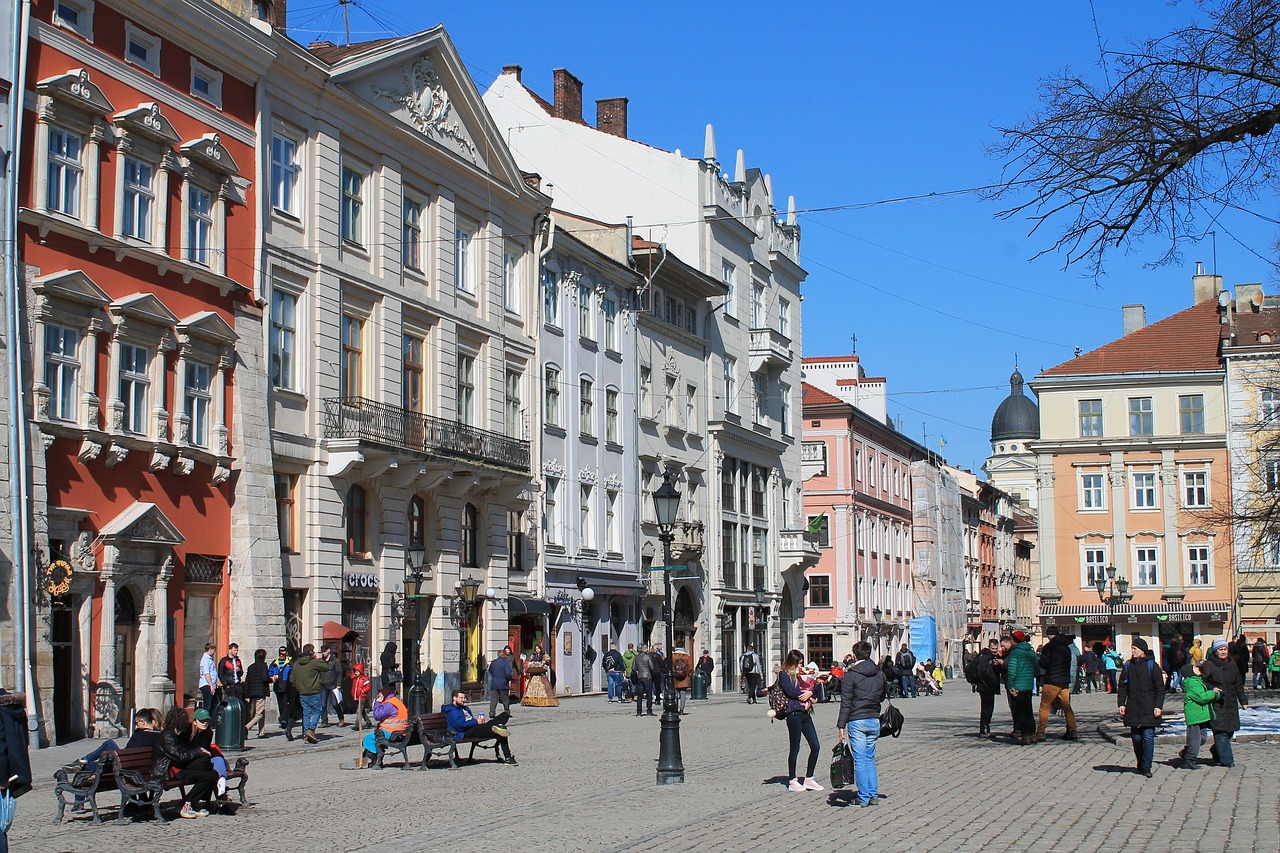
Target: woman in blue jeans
x: 799, y: 722
x: 862, y: 690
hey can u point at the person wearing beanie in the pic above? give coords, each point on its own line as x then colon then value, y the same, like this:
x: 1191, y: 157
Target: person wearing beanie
x: 1199, y: 704
x: 1141, y: 703
x: 1220, y: 671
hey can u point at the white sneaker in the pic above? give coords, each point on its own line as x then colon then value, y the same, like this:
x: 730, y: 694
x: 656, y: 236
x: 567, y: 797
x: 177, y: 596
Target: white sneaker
x: 222, y: 785
x: 811, y: 784
x: 795, y: 785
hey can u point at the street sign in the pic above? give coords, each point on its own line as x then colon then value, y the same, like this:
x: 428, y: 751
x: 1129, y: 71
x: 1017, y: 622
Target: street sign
x: 667, y: 568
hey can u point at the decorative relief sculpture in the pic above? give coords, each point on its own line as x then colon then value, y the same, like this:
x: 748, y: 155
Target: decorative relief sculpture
x: 116, y: 454
x: 427, y: 102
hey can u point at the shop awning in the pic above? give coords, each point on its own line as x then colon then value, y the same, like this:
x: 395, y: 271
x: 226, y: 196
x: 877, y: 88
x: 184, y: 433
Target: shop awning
x: 1169, y: 608
x: 336, y: 631
x: 519, y: 606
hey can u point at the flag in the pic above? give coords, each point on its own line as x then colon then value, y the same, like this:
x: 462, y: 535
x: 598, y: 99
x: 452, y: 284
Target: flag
x: 815, y: 524
x: 942, y: 441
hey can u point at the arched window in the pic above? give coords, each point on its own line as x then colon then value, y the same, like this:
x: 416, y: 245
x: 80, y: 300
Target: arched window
x: 470, y: 536
x: 357, y: 522
x: 417, y: 522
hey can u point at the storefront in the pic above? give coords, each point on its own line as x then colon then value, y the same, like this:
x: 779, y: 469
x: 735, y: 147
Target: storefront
x: 359, y: 597
x: 1157, y: 624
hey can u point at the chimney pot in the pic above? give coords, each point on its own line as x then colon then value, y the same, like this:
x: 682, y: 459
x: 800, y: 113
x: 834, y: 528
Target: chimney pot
x: 611, y: 116
x: 568, y: 96
x: 513, y: 70
x: 1135, y: 317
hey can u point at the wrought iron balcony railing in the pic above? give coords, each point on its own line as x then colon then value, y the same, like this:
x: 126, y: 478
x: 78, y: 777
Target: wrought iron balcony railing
x: 392, y: 426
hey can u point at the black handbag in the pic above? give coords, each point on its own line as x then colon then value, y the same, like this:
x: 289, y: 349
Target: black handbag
x: 891, y: 722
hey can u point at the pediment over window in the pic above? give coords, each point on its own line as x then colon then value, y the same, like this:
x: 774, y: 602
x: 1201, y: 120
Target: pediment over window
x: 71, y: 286
x: 75, y: 88
x: 144, y: 308
x: 208, y: 152
x: 147, y: 120
x: 143, y: 523
x: 206, y: 326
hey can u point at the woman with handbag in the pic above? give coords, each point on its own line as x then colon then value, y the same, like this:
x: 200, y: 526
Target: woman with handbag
x: 799, y: 722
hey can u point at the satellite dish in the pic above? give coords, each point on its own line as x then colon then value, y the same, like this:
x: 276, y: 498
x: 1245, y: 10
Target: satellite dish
x: 1256, y: 299
x: 1224, y: 298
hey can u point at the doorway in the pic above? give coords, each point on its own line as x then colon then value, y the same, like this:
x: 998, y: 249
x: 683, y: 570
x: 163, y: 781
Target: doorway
x: 126, y: 639
x: 66, y: 671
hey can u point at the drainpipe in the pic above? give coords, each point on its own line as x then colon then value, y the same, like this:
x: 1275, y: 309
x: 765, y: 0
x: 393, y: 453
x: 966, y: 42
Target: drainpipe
x: 19, y: 488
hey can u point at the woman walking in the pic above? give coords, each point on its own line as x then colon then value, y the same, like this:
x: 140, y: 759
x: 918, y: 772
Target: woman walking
x: 1221, y: 671
x: 799, y: 722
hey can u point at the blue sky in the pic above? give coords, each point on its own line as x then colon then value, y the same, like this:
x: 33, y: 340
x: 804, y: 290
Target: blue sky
x: 857, y: 104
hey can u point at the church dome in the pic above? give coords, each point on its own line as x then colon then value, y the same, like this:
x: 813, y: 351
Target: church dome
x: 1017, y: 416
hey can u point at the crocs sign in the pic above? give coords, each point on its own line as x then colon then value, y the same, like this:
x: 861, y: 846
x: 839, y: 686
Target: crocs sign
x: 362, y: 580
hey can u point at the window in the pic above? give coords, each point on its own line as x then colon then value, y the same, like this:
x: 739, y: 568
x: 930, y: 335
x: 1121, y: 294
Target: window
x: 1271, y: 472
x: 819, y: 525
x: 62, y: 370
x: 1268, y: 405
x: 284, y: 174
x: 610, y: 311
x: 1195, y: 488
x: 550, y: 298
x: 690, y: 407
x: 611, y: 415
x: 466, y: 384
x: 464, y: 266
x: 784, y: 318
x: 413, y: 373
x: 1191, y: 413
x: 351, y: 380
x: 352, y: 215
x: 729, y: 275
x: 470, y: 553
x: 1095, y: 565
x: 417, y: 522
x: 730, y: 384
x: 819, y: 590
x: 515, y: 540
x: 357, y: 522
x: 286, y: 512
x: 784, y: 412
x: 728, y: 554
x: 757, y: 491
x: 1198, y: 566
x: 584, y: 312
x: 1146, y: 560
x: 206, y: 84
x: 511, y: 278
x: 65, y: 171
x: 196, y: 399
x: 669, y: 402
x: 411, y: 235
x: 1144, y: 490
x: 759, y: 387
x: 586, y: 416
x: 199, y: 224
x: 1092, y: 495
x: 515, y: 406
x: 551, y: 382
x: 1090, y: 418
x: 284, y: 306
x: 757, y: 307
x: 135, y: 213
x: 552, y: 502
x: 612, y: 528
x: 75, y: 15
x: 141, y: 48
x: 586, y: 535
x: 1141, y: 421
x: 727, y: 492
x: 135, y: 386
x: 646, y: 392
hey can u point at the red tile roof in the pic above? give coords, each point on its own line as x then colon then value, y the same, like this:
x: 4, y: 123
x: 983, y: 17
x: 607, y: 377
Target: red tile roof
x: 828, y: 359
x: 1250, y: 326
x: 817, y: 397
x: 330, y: 53
x: 1186, y: 341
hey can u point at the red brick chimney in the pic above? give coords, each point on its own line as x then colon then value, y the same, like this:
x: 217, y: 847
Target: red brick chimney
x: 611, y: 116
x: 568, y: 96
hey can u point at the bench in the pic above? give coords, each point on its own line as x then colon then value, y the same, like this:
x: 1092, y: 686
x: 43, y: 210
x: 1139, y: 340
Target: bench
x: 438, y: 726
x: 424, y: 729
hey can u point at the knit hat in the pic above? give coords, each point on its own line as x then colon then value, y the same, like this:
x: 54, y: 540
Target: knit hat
x: 1019, y: 636
x: 1219, y: 643
x: 201, y: 714
x: 1139, y: 643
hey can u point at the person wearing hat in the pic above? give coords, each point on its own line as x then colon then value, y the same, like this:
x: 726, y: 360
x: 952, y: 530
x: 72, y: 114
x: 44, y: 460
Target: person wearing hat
x: 1021, y: 667
x: 391, y: 719
x: 176, y: 755
x: 1141, y: 703
x: 1220, y: 671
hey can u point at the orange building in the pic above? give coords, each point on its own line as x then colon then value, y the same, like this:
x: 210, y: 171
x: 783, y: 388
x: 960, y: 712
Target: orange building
x: 137, y: 232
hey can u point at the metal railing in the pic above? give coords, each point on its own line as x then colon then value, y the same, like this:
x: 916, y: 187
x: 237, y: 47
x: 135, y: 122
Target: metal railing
x: 394, y: 426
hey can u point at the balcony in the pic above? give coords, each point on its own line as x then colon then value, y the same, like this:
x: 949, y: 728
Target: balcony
x: 770, y: 349
x: 371, y: 422
x: 687, y: 545
x: 798, y: 549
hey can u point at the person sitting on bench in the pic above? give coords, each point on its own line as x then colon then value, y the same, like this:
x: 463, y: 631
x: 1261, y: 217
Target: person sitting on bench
x: 146, y: 731
x: 468, y: 726
x: 174, y: 756
x: 392, y: 720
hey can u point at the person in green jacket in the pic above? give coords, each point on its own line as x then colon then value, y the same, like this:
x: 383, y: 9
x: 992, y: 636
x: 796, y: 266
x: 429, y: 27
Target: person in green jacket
x: 1199, y: 702
x: 1021, y: 668
x: 306, y: 672
x: 1273, y: 668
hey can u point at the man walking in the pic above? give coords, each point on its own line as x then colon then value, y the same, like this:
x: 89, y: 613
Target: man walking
x: 332, y: 682
x: 1058, y: 664
x: 642, y: 673
x: 306, y: 674
x: 278, y: 672
x: 500, y: 674
x: 1261, y: 654
x: 208, y: 677
x: 706, y: 666
x: 614, y: 666
x: 862, y: 690
x: 1142, y: 703
x: 905, y: 661
x: 1021, y: 667
x: 752, y: 670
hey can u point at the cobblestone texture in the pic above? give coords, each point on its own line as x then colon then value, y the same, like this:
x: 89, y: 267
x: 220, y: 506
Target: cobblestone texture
x: 586, y: 782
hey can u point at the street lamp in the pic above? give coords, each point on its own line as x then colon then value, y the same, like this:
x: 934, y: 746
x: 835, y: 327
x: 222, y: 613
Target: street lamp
x: 877, y: 614
x: 1113, y: 590
x: 415, y: 557
x: 460, y: 607
x: 666, y: 503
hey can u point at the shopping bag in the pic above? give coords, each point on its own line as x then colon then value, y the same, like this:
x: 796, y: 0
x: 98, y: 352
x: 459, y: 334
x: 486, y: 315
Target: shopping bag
x: 841, y: 766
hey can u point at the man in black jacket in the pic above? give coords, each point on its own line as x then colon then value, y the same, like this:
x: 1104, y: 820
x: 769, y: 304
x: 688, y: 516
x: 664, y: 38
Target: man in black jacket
x: 905, y: 661
x: 613, y: 666
x: 1141, y: 701
x: 862, y: 690
x: 987, y: 686
x: 1058, y: 664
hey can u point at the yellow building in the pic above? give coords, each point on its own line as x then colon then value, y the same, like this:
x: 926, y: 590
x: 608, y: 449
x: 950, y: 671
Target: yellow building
x: 1134, y: 483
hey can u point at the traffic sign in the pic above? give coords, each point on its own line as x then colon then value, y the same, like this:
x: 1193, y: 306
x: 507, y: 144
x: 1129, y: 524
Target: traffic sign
x: 667, y: 568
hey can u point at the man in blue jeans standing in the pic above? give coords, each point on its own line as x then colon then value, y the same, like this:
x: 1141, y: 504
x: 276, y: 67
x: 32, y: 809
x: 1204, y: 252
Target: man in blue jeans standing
x: 862, y: 690
x: 906, y: 664
x: 613, y: 666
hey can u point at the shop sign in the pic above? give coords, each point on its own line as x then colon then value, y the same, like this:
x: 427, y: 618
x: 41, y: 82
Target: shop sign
x: 362, y: 581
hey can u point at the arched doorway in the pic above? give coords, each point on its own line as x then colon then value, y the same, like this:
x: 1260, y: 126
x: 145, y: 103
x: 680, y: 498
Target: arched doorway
x: 126, y: 638
x: 685, y: 621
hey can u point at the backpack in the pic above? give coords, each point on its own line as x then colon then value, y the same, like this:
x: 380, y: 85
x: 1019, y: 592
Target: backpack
x: 778, y: 700
x: 971, y: 670
x: 906, y: 661
x: 680, y: 667
x: 748, y: 664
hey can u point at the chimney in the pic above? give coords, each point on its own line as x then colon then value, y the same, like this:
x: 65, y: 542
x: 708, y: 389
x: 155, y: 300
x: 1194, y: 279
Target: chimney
x: 1204, y: 286
x: 568, y: 96
x: 611, y: 116
x: 513, y: 70
x: 1248, y: 298
x: 1135, y: 317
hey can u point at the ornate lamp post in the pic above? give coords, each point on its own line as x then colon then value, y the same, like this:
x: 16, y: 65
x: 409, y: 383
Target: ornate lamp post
x: 460, y: 615
x: 666, y: 503
x: 415, y: 557
x: 1113, y: 590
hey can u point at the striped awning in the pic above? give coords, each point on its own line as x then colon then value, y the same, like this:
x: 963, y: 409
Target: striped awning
x: 1180, y: 608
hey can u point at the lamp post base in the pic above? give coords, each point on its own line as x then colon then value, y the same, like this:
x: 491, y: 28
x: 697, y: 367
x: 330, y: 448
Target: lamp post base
x: 670, y: 761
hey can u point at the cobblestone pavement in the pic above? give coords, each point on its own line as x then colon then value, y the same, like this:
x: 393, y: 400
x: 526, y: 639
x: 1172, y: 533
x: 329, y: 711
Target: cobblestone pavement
x: 586, y: 782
